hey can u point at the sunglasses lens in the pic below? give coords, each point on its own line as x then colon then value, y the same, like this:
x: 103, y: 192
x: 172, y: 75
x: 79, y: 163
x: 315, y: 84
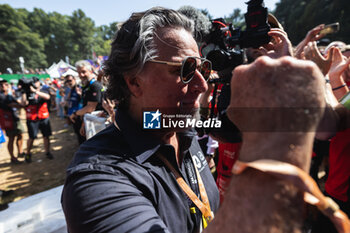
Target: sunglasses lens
x: 206, y: 69
x: 188, y: 69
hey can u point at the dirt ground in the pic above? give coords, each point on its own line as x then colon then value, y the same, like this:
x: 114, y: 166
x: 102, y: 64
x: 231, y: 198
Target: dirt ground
x: 42, y: 174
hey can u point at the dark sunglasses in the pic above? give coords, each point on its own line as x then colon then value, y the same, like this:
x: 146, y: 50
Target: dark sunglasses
x: 189, y: 66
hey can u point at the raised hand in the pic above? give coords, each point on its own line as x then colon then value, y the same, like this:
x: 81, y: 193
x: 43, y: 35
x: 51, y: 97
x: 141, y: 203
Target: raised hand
x: 279, y: 46
x: 312, y: 35
x: 311, y: 52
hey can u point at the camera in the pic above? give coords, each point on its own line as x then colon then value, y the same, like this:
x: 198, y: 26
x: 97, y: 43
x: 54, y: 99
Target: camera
x: 220, y: 46
x: 26, y: 83
x: 223, y: 48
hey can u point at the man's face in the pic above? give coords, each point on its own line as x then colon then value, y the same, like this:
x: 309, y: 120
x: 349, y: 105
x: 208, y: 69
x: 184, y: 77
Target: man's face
x: 37, y: 84
x: 161, y: 84
x: 85, y: 75
x: 70, y: 81
x: 3, y: 86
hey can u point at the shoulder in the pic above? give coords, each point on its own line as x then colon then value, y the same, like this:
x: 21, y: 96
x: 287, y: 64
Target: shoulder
x: 96, y: 85
x: 106, y: 148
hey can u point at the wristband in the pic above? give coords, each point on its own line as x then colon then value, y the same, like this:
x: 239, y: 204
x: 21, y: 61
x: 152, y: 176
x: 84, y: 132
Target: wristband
x: 336, y: 88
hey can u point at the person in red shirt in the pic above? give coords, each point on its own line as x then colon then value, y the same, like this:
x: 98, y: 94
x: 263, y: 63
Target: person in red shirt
x: 337, y: 184
x: 37, y: 115
x: 9, y: 120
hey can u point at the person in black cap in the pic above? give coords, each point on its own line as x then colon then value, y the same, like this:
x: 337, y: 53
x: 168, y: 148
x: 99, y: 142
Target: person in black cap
x: 37, y: 115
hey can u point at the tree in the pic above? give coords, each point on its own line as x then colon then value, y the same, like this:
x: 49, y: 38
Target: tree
x: 107, y: 32
x: 299, y: 16
x: 236, y: 18
x: 17, y: 39
x: 206, y: 13
x: 103, y: 38
x: 54, y: 30
x: 83, y: 35
x: 58, y: 41
x: 43, y: 38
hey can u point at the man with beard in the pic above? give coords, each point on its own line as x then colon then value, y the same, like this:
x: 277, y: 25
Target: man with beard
x: 92, y: 94
x: 129, y: 178
x: 74, y: 104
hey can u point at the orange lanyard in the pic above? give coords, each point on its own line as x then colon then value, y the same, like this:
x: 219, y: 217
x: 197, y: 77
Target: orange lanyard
x: 304, y: 182
x: 204, y: 205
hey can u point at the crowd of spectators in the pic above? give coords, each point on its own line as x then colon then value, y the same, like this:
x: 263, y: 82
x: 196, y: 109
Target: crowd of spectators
x: 68, y: 97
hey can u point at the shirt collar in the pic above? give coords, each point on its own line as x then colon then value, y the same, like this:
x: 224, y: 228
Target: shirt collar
x: 141, y: 141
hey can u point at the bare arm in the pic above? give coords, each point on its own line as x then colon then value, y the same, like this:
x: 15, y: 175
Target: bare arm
x: 41, y: 94
x: 312, y: 35
x: 90, y: 107
x: 337, y: 68
x: 24, y: 100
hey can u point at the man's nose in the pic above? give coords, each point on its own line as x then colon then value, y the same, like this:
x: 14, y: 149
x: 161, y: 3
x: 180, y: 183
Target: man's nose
x: 198, y: 83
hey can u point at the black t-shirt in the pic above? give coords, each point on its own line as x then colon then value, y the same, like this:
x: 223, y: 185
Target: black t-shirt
x: 116, y: 183
x: 5, y: 100
x: 93, y: 93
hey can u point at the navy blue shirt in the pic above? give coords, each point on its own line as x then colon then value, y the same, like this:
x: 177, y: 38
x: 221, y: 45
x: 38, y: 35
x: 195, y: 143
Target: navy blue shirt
x: 116, y: 183
x: 73, y: 101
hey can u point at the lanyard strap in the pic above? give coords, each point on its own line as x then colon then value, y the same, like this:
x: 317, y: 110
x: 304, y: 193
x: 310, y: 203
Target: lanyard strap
x: 204, y: 205
x: 304, y: 182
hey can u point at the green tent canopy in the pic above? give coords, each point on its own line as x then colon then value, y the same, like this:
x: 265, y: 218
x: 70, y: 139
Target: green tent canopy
x: 16, y: 77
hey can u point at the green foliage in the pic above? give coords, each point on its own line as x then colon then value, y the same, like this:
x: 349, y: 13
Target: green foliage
x: 83, y: 31
x: 43, y: 38
x: 236, y: 18
x: 206, y: 13
x: 300, y: 16
x: 17, y: 39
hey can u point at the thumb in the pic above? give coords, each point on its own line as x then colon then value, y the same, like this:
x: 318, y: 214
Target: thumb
x: 330, y: 54
x: 337, y: 55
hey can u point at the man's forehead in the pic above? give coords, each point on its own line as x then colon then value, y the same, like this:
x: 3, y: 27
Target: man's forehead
x: 173, y: 41
x: 81, y: 68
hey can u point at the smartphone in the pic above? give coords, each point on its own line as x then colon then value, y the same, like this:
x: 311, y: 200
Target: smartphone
x: 330, y: 29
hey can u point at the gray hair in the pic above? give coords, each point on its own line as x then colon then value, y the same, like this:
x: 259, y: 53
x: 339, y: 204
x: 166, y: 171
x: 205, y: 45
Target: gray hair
x: 83, y: 63
x: 134, y: 45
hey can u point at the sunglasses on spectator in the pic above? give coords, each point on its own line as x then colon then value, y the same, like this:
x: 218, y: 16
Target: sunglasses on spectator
x: 189, y: 66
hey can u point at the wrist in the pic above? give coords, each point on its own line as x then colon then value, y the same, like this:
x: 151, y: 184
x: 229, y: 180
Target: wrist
x: 339, y: 87
x: 335, y: 84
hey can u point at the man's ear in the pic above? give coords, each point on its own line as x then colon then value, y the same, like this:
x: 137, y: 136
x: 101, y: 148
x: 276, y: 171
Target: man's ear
x: 133, y: 83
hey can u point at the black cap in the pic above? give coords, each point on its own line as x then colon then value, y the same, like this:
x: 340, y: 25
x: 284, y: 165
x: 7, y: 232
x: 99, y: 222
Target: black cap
x: 3, y: 80
x: 35, y: 79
